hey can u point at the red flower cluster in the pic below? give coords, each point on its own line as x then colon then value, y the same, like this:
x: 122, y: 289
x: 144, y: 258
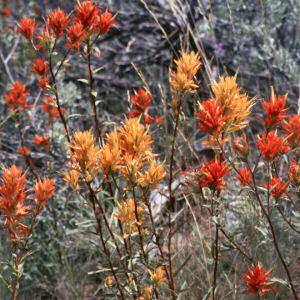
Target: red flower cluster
x: 275, y: 110
x: 292, y: 130
x: 104, y: 22
x: 91, y: 18
x: 57, y: 21
x: 87, y: 13
x: 88, y: 21
x: 27, y: 28
x: 16, y: 99
x: 24, y: 150
x: 257, y: 279
x: 45, y: 38
x: 210, y: 117
x: 43, y: 82
x: 76, y: 34
x: 49, y: 106
x: 40, y: 67
x: 141, y: 102
x: 6, y: 12
x: 276, y: 187
x: 42, y: 141
x: 272, y: 145
x: 244, y: 176
x: 211, y: 175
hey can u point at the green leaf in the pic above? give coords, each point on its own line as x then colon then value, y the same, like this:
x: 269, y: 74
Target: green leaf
x: 83, y: 80
x: 101, y: 271
x: 98, y: 69
x: 280, y: 281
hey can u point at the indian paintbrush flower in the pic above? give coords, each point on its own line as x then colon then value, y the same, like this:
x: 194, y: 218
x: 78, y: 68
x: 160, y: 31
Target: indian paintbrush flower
x: 13, y: 194
x: 272, y: 145
x: 42, y: 141
x: 256, y: 280
x: 187, y: 67
x: 86, y: 13
x: 157, y: 276
x: 275, y: 110
x: 16, y: 99
x: 84, y: 155
x: 211, y: 174
x: 127, y: 215
x: 277, y: 187
x: 236, y: 105
x: 27, y: 28
x: 210, y: 117
x: 244, y: 176
x: 75, y: 35
x: 40, y: 67
x: 57, y: 21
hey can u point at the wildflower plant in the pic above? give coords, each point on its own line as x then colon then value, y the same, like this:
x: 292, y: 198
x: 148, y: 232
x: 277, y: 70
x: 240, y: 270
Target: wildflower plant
x: 114, y: 169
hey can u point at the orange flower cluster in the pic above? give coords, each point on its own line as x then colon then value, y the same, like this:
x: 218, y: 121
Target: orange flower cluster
x: 16, y: 99
x: 84, y: 157
x: 109, y: 280
x: 275, y: 110
x: 44, y: 190
x: 147, y: 294
x: 87, y: 13
x: 46, y: 38
x: 12, y: 200
x: 187, y: 67
x: 256, y: 280
x: 225, y: 113
x: 136, y: 153
x: 277, y: 187
x: 157, y: 276
x: 6, y: 12
x: 272, y: 145
x: 126, y: 215
x: 127, y: 149
x: 236, y: 105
